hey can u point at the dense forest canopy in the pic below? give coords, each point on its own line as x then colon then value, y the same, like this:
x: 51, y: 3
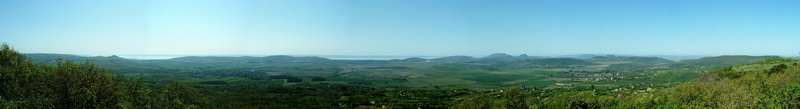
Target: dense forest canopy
x: 81, y: 85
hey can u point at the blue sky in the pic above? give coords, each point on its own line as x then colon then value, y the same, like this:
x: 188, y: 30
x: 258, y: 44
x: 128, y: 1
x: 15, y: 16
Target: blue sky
x: 403, y: 27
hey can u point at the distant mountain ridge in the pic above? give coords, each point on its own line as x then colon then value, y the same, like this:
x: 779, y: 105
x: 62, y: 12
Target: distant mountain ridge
x: 635, y: 59
x: 500, y: 59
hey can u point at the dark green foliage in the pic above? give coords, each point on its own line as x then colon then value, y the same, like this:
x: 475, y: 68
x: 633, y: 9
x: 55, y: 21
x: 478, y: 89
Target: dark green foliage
x: 113, y: 63
x: 515, y: 98
x: 139, y: 95
x: 512, y: 98
x: 180, y: 96
x: 288, y: 78
x: 728, y: 72
x: 214, y: 82
x: 777, y: 68
x: 475, y: 101
x: 317, y: 79
x: 84, y: 86
x: 73, y: 85
x: 21, y: 81
x: 786, y: 97
x: 576, y: 100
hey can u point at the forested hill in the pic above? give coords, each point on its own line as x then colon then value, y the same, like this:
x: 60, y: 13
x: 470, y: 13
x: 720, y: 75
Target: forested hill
x: 721, y: 61
x: 68, y: 85
x: 44, y: 59
x: 551, y: 62
x: 632, y: 59
x: 770, y: 83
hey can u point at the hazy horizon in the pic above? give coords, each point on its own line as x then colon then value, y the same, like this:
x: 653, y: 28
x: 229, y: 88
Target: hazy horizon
x: 394, y: 56
x: 386, y: 57
x: 403, y: 27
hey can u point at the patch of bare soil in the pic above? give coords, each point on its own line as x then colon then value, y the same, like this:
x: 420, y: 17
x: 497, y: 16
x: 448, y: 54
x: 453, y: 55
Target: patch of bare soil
x: 515, y: 81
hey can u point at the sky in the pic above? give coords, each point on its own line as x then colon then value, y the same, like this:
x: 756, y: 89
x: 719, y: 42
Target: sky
x: 402, y: 27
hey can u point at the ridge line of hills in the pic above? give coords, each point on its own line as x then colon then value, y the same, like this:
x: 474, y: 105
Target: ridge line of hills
x: 377, y: 57
x: 460, y: 58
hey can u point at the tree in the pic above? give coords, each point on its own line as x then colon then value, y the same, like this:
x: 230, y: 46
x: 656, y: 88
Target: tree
x: 475, y: 101
x: 65, y: 85
x: 515, y: 98
x: 22, y: 83
x: 787, y: 97
x: 777, y: 68
x: 138, y: 94
x: 180, y: 95
x: 84, y: 86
